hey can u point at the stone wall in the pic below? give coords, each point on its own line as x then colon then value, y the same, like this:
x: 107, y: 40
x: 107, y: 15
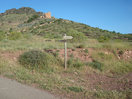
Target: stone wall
x: 46, y: 15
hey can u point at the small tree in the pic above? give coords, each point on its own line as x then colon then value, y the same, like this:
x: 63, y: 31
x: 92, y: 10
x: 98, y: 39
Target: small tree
x: 103, y: 39
x: 77, y: 36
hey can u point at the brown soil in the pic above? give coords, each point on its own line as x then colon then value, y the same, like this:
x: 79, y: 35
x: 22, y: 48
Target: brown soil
x: 11, y: 55
x: 109, y: 83
x: 78, y: 53
x: 126, y: 55
x: 93, y: 81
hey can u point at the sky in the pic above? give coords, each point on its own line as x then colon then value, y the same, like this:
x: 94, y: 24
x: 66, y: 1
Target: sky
x: 112, y: 15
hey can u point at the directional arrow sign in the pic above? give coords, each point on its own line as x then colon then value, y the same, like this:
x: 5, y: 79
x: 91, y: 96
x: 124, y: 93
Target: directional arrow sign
x: 67, y: 37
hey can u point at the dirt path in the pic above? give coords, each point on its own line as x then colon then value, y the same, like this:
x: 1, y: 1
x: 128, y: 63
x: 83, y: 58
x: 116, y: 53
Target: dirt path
x: 10, y: 89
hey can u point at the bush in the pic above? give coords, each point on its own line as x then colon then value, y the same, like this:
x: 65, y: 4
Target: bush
x: 86, y: 50
x: 122, y: 67
x: 36, y: 58
x: 77, y: 36
x: 75, y: 63
x: 121, y: 52
x: 2, y: 35
x: 103, y: 39
x: 80, y: 46
x: 14, y: 35
x: 114, y: 52
x: 114, y: 94
x: 97, y: 65
x: 32, y: 18
x: 76, y: 89
x: 52, y: 36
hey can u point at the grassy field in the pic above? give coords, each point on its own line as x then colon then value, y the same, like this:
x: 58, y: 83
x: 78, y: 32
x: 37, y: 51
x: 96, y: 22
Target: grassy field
x: 37, y: 42
x: 107, y: 76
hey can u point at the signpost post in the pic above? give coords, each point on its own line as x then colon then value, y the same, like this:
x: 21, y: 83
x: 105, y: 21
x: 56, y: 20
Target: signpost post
x: 65, y: 47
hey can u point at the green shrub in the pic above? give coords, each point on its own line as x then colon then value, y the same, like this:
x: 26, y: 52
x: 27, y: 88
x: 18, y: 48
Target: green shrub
x: 56, y: 54
x: 121, y: 67
x: 86, y: 50
x: 121, y: 52
x: 2, y: 35
x: 75, y: 63
x: 103, y: 39
x: 114, y: 52
x: 101, y: 54
x: 75, y: 89
x: 32, y: 18
x: 77, y: 36
x: 97, y: 65
x: 80, y: 46
x: 52, y: 36
x: 104, y: 57
x: 107, y: 46
x: 36, y: 58
x: 114, y: 94
x: 14, y: 35
x: 78, y: 64
x: 70, y: 62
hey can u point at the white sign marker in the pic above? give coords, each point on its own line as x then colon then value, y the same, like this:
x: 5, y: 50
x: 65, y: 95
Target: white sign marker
x: 65, y: 47
x: 67, y: 37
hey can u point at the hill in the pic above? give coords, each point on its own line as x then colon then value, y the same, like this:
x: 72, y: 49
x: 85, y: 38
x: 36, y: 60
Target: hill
x: 27, y: 20
x: 99, y: 62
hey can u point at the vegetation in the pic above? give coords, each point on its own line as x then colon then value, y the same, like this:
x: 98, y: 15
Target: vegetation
x: 101, y: 94
x: 32, y: 18
x: 86, y: 51
x: 14, y: 35
x: 53, y: 77
x: 75, y: 89
x: 2, y: 35
x: 80, y: 46
x: 77, y: 36
x: 97, y: 65
x: 27, y: 20
x: 35, y: 59
x: 32, y: 51
x: 75, y: 63
x: 103, y: 39
x: 22, y: 10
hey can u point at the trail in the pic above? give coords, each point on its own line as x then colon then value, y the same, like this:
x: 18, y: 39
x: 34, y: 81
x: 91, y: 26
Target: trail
x: 10, y: 89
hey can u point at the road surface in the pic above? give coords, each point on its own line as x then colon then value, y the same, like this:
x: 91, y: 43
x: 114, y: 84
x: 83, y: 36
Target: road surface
x: 10, y: 89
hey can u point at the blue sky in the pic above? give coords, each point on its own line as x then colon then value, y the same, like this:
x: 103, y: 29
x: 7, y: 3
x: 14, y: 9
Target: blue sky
x: 113, y: 15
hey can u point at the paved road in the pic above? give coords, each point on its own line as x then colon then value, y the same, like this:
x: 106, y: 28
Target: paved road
x: 10, y: 89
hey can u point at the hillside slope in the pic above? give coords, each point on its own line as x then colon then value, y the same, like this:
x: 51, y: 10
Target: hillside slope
x: 27, y: 20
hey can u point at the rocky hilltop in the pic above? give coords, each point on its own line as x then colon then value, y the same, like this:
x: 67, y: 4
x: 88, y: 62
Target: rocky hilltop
x: 26, y: 10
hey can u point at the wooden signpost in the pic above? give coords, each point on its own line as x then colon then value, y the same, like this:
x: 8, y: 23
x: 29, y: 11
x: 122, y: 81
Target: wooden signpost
x: 65, y: 37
